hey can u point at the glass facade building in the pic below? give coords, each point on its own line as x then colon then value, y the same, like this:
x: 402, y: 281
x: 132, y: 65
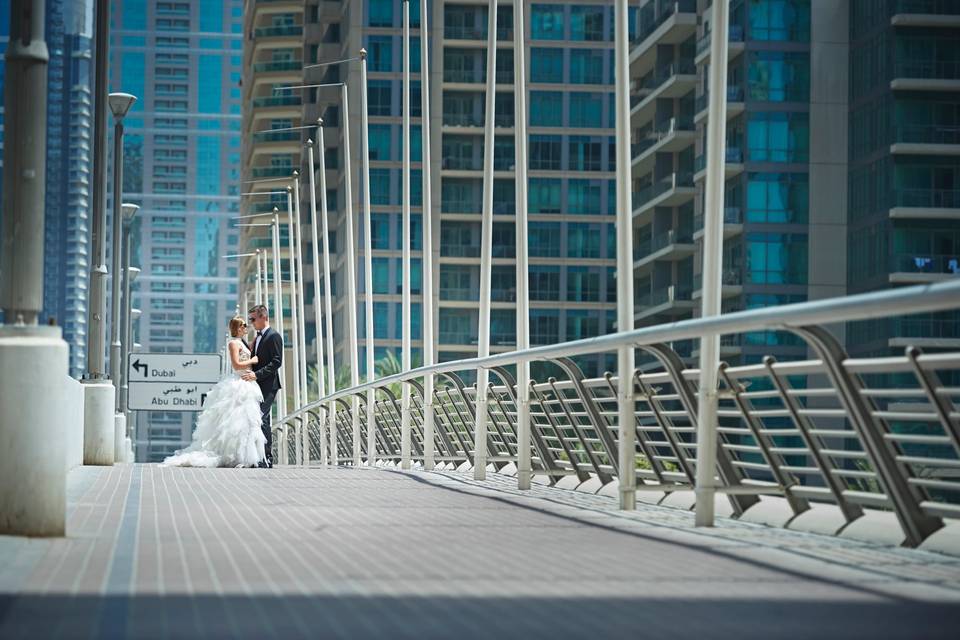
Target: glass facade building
x: 571, y: 173
x: 182, y: 166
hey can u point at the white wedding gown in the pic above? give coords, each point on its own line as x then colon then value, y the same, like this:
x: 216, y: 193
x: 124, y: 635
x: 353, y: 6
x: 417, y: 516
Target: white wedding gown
x: 228, y: 429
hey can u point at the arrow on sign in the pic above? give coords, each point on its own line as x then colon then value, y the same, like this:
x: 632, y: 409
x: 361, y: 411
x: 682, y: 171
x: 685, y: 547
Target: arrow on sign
x: 203, y: 398
x: 137, y: 364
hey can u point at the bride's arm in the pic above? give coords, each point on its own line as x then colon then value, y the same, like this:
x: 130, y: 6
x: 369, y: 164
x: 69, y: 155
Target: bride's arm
x: 235, y: 361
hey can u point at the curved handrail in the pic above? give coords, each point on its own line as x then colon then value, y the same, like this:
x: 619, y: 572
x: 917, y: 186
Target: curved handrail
x: 905, y: 301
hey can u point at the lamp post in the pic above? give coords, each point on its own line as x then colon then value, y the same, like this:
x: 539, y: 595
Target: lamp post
x: 315, y: 247
x: 120, y: 104
x: 350, y: 248
x: 294, y: 331
x: 328, y: 298
x: 301, y: 322
x: 257, y: 288
x: 131, y: 314
x: 405, y: 360
x: 523, y: 289
x: 625, y: 356
x: 368, y: 257
x: 426, y: 311
x: 129, y: 211
x: 486, y: 250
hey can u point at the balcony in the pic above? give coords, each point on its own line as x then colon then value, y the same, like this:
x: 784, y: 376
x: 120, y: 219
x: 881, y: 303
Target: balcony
x: 671, y: 136
x: 731, y: 283
x: 672, y: 191
x: 276, y: 136
x: 284, y: 31
x: 277, y: 66
x: 925, y: 203
x: 671, y: 245
x: 925, y: 13
x: 460, y: 32
x: 276, y: 101
x: 671, y: 81
x: 272, y: 172
x: 926, y: 139
x: 476, y: 76
x: 675, y: 22
x: 735, y: 45
x: 915, y: 268
x: 733, y: 164
x: 673, y: 301
x: 735, y: 106
x: 732, y: 222
x: 926, y: 75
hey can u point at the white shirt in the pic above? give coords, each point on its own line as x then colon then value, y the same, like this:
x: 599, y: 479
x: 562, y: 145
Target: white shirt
x: 256, y: 343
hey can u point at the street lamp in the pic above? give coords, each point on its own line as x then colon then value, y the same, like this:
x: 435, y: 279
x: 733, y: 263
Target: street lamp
x: 129, y: 275
x: 120, y: 103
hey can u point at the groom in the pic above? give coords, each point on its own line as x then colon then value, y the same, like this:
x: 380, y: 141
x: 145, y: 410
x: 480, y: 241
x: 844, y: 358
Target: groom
x: 268, y: 347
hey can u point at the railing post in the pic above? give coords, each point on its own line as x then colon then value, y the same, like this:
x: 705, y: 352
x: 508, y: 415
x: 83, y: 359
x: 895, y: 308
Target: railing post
x: 625, y: 355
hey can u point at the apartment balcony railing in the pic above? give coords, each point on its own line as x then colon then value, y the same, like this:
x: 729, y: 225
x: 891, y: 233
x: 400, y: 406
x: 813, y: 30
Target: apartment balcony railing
x: 667, y: 10
x: 448, y: 250
x: 462, y: 164
x: 504, y: 76
x: 663, y: 295
x: 927, y: 69
x: 926, y: 134
x: 729, y: 276
x: 278, y: 32
x: 734, y: 94
x: 732, y: 214
x: 735, y: 32
x: 277, y: 101
x: 283, y: 65
x: 650, y: 245
x: 272, y: 172
x: 459, y: 293
x: 931, y: 263
x: 662, y: 186
x: 732, y: 155
x: 458, y: 32
x: 462, y: 120
x: 926, y: 198
x: 276, y: 136
x: 661, y: 75
x: 460, y: 206
x: 660, y: 131
x: 926, y: 7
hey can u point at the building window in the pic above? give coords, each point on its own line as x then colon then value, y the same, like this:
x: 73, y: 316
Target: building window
x: 544, y: 282
x: 380, y: 230
x: 583, y: 197
x: 583, y: 240
x: 586, y: 153
x: 546, y: 108
x: 583, y: 284
x: 582, y: 324
x: 546, y: 22
x: 380, y: 138
x: 778, y: 198
x: 381, y: 13
x: 544, y: 326
x: 380, y: 96
x: 380, y: 191
x: 586, y: 109
x: 381, y: 53
x: 544, y: 195
x: 381, y: 275
x: 546, y: 64
x: 586, y: 22
x: 586, y: 66
x: 544, y: 239
x: 776, y: 258
x: 780, y: 20
x: 545, y: 152
x: 778, y: 76
x: 778, y: 137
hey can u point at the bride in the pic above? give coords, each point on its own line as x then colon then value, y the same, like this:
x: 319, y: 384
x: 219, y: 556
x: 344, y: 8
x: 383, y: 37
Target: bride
x: 228, y: 430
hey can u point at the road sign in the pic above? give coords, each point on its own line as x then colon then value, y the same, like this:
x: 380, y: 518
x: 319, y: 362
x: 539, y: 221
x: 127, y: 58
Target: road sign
x: 171, y: 381
x: 168, y: 396
x: 173, y: 367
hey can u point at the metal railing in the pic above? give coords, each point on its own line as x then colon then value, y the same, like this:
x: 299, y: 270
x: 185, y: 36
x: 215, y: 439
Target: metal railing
x: 855, y: 433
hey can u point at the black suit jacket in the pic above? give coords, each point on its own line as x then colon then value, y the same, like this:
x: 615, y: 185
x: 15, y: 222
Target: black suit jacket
x: 269, y: 360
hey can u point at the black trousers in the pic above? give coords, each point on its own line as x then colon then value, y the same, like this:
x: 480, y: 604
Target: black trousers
x: 265, y: 406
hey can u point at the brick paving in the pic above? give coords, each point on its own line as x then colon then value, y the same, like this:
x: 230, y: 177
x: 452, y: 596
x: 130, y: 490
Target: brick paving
x: 352, y: 553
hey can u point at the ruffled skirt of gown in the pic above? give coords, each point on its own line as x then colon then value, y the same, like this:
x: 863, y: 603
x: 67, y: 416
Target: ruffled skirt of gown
x: 228, y: 430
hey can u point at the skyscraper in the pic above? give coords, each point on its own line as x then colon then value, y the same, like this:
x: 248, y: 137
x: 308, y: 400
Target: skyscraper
x: 182, y: 159
x: 571, y: 159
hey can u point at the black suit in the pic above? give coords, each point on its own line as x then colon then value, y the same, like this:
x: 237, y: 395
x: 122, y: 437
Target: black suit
x: 269, y: 360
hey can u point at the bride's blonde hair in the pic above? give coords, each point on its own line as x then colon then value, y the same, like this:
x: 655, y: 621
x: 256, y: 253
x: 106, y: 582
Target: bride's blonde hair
x: 236, y: 323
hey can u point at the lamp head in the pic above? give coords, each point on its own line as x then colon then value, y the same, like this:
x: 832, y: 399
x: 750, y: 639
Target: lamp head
x: 129, y: 210
x: 120, y: 103
x: 134, y: 272
x: 135, y: 314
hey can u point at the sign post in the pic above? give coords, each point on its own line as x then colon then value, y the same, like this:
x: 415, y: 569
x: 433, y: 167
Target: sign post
x: 171, y: 381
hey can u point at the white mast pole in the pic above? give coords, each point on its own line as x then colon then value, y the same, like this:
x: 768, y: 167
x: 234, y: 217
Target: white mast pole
x: 405, y: 360
x: 426, y: 288
x: 350, y: 248
x: 367, y: 262
x: 328, y: 297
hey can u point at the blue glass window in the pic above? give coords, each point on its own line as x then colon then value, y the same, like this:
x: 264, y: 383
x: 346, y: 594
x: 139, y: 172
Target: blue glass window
x: 778, y: 76
x: 545, y: 152
x: 211, y: 15
x: 381, y: 53
x: 380, y: 13
x: 379, y: 97
x: 379, y: 186
x: 546, y: 108
x: 381, y: 275
x: 544, y: 282
x: 583, y: 284
x: 778, y: 137
x: 380, y: 231
x: 132, y: 75
x: 544, y: 195
x: 544, y: 326
x: 586, y: 22
x: 380, y: 138
x: 586, y: 109
x: 544, y: 239
x: 209, y: 81
x: 778, y: 197
x: 546, y: 22
x: 776, y: 258
x: 583, y: 240
x: 583, y: 197
x: 582, y: 324
x: 546, y: 64
x: 781, y: 20
x: 134, y: 15
x: 586, y: 66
